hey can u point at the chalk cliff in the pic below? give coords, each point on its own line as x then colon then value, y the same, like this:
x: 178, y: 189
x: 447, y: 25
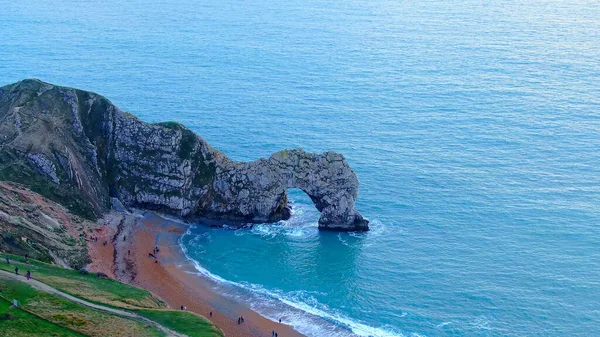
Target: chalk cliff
x: 77, y: 148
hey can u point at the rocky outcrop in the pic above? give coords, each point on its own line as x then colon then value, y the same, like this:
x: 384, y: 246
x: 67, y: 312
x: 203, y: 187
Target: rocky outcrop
x: 78, y: 148
x: 31, y: 224
x: 259, y: 188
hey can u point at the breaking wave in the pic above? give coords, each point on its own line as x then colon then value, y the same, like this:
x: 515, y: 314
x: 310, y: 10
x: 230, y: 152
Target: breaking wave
x: 299, y: 308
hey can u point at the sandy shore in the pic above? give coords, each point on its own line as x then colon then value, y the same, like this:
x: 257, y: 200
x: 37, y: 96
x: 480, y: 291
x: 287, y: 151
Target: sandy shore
x: 130, y: 240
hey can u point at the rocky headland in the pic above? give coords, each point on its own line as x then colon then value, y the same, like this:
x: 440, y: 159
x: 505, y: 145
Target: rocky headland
x: 76, y: 148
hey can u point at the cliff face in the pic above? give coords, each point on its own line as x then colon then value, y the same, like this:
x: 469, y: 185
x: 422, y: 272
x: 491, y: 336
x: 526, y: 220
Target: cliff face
x: 31, y: 224
x: 77, y: 148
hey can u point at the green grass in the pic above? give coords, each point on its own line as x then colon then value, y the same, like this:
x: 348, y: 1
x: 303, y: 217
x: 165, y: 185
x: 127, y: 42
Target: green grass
x: 170, y: 125
x: 183, y: 322
x: 24, y: 324
x: 101, y: 291
x: 89, y: 287
x: 67, y: 314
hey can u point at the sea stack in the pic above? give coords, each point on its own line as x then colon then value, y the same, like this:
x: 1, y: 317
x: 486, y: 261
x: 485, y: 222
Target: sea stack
x: 77, y: 148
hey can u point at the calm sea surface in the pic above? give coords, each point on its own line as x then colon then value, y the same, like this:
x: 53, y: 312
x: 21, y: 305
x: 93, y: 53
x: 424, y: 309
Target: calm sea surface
x: 473, y: 126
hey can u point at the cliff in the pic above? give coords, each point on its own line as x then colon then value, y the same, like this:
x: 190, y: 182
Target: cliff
x: 77, y: 148
x: 31, y: 224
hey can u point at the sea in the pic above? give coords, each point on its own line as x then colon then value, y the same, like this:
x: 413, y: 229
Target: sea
x: 473, y: 127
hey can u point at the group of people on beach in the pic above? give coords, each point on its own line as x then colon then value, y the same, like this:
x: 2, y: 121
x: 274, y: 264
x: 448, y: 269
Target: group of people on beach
x: 274, y: 333
x: 94, y: 238
x: 240, y: 319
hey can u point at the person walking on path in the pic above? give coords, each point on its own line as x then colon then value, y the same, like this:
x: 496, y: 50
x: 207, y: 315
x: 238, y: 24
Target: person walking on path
x: 28, y: 275
x: 17, y: 270
x: 7, y: 260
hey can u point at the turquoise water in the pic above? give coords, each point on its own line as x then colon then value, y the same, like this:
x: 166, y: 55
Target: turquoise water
x: 473, y: 126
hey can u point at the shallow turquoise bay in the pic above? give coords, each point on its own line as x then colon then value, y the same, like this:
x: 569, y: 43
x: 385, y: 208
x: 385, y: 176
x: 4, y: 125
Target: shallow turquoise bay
x: 473, y: 126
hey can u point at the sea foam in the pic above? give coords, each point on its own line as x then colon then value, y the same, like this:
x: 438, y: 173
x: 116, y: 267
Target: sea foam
x: 300, y: 309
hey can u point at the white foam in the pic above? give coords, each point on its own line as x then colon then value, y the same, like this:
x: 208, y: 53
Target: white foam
x: 342, y: 240
x: 443, y: 324
x: 306, y: 315
x: 297, y: 227
x: 296, y: 233
x: 481, y: 323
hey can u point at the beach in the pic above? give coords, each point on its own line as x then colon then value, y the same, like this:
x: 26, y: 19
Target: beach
x: 170, y: 276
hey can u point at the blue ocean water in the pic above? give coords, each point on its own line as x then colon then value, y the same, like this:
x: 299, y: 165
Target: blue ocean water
x: 473, y: 127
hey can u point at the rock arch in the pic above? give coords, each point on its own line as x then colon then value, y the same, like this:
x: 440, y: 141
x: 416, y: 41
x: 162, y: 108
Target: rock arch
x: 94, y: 151
x: 258, y: 189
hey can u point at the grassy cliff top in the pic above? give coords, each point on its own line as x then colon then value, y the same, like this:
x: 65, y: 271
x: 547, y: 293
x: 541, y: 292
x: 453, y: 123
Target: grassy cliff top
x: 45, y: 312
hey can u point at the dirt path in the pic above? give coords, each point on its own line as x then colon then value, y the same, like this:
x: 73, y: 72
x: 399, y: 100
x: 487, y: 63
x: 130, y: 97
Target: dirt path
x: 46, y: 288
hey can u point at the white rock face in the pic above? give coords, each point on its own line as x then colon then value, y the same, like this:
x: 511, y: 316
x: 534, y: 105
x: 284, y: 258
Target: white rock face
x: 104, y: 152
x: 257, y: 190
x: 167, y: 166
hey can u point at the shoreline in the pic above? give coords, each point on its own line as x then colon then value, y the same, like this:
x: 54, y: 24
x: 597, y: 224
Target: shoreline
x: 131, y: 237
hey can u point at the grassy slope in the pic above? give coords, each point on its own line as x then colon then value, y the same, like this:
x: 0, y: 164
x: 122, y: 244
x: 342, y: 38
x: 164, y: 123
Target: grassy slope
x: 73, y: 316
x: 24, y: 324
x: 89, y: 287
x: 183, y: 322
x: 113, y: 293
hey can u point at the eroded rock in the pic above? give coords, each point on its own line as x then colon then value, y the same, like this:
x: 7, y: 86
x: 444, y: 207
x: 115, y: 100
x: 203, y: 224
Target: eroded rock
x: 102, y: 152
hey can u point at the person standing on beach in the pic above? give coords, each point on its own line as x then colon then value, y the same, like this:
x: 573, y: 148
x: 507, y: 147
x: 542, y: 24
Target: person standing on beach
x: 211, y: 314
